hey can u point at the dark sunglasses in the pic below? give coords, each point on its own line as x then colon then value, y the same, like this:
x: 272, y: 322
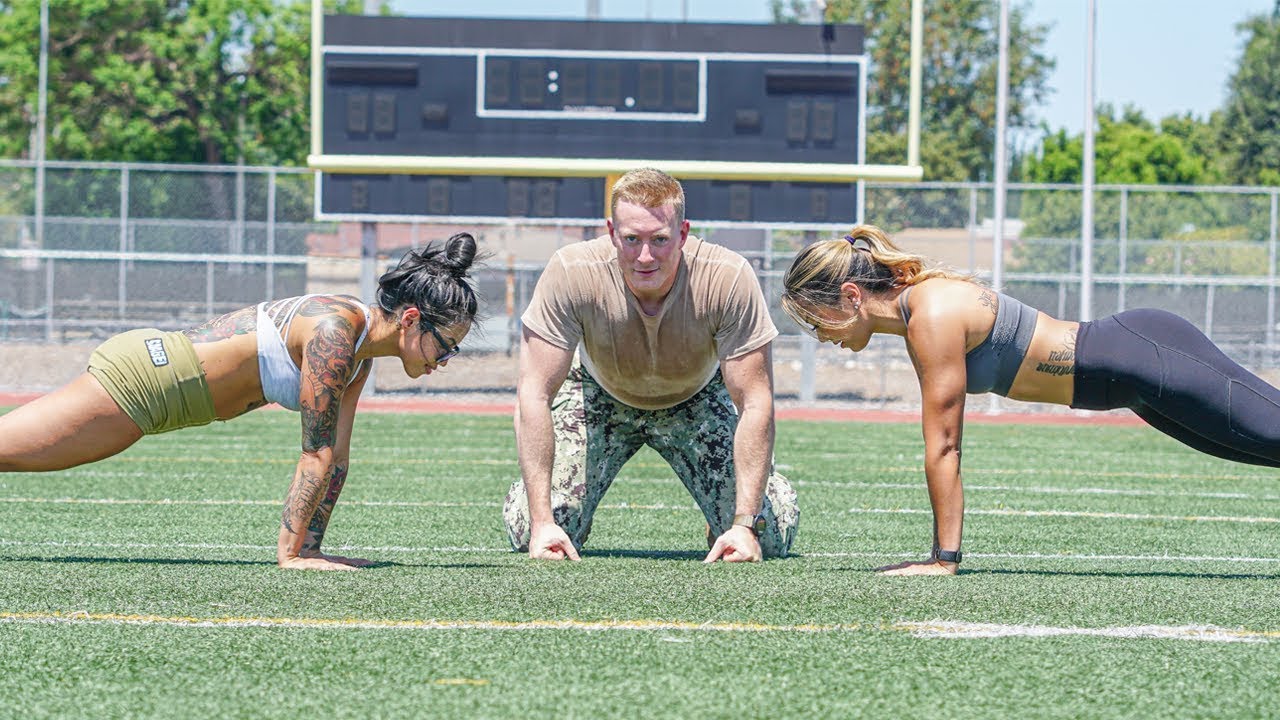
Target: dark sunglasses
x: 450, y: 351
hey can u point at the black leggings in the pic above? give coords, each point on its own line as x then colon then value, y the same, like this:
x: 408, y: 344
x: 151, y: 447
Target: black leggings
x: 1165, y: 370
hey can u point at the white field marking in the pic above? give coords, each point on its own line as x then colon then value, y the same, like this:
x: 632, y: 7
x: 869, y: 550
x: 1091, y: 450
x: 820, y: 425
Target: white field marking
x: 345, y: 503
x: 235, y: 546
x: 1074, y: 472
x: 463, y: 549
x: 378, y: 624
x: 1043, y: 490
x: 1076, y: 513
x: 964, y: 630
x: 927, y: 630
x: 650, y: 506
x: 1051, y: 556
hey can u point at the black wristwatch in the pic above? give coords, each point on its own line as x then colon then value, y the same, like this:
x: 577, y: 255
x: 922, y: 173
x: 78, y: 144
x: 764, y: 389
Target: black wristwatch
x: 756, y: 523
x: 951, y: 556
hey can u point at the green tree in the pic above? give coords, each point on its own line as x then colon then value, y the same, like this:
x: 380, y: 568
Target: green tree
x: 1251, y: 127
x: 958, y: 109
x: 1130, y: 150
x: 195, y: 81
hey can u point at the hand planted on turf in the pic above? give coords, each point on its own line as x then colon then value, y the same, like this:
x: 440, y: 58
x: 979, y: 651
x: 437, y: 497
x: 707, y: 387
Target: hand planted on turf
x: 313, y: 563
x: 921, y: 567
x: 354, y: 562
x: 737, y: 544
x: 548, y: 541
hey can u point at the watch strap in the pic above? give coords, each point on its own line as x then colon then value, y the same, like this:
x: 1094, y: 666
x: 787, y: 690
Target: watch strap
x: 951, y: 556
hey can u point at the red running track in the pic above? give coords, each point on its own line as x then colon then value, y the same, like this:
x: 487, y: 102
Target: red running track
x: 787, y: 413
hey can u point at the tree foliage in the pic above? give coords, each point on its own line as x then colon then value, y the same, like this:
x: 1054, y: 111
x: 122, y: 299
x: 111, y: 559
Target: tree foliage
x: 1251, y: 126
x: 197, y: 81
x: 960, y: 56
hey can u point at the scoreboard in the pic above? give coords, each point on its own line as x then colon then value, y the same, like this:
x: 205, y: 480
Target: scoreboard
x: 487, y: 119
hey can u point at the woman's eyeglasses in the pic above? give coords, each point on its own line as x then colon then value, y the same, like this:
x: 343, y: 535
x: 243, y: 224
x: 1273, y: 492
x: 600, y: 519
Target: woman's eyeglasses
x: 450, y: 351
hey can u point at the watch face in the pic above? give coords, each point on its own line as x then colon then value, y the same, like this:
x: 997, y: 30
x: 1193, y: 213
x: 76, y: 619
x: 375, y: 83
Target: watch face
x: 758, y: 524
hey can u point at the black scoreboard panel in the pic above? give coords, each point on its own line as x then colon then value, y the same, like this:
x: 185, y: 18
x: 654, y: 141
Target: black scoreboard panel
x: 422, y: 87
x: 579, y: 199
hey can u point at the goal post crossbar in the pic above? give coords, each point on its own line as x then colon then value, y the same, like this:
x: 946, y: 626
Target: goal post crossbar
x: 604, y: 167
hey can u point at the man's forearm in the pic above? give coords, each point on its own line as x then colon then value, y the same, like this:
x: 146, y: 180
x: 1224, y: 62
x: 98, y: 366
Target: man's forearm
x: 535, y: 440
x: 752, y: 457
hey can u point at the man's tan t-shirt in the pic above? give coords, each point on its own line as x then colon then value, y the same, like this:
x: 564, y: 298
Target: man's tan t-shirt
x: 715, y: 311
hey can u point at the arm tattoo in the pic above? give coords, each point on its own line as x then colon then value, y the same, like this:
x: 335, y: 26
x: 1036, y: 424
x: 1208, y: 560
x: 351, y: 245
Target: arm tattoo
x: 328, y: 360
x: 320, y: 521
x: 1062, y: 361
x: 988, y: 301
x: 327, y: 305
x: 304, y: 495
x: 240, y: 322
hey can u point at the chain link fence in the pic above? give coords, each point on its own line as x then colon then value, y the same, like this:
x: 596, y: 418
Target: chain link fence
x: 119, y: 246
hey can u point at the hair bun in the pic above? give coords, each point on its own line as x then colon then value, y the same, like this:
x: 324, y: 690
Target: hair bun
x: 459, y: 254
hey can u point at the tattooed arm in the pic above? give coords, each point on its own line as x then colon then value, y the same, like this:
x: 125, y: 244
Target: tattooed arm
x: 327, y: 363
x: 320, y: 520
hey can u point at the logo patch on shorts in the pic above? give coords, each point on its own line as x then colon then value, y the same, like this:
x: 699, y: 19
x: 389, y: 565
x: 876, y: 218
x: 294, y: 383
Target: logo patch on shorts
x: 155, y: 348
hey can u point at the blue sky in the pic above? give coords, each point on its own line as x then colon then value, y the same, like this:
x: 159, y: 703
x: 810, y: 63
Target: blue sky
x: 1163, y: 56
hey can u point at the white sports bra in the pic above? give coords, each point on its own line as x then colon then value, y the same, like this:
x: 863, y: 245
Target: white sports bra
x: 281, y: 377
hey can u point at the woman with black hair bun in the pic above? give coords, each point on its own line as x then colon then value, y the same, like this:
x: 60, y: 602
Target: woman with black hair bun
x: 311, y: 354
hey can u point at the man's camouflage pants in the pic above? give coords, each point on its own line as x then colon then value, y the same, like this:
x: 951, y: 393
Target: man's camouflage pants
x: 595, y: 435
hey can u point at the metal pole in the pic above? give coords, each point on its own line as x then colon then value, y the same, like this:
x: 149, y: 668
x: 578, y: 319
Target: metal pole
x: 368, y: 273
x: 973, y: 229
x: 48, y: 300
x: 593, y: 9
x: 1086, y: 194
x: 1002, y: 121
x: 1124, y: 246
x: 271, y: 234
x: 42, y: 106
x: 915, y: 80
x: 317, y: 69
x: 1271, y: 280
x: 808, y: 353
x: 122, y: 292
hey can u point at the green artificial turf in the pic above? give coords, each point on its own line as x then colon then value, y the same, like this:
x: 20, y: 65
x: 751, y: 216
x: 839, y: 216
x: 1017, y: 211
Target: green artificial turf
x: 145, y: 585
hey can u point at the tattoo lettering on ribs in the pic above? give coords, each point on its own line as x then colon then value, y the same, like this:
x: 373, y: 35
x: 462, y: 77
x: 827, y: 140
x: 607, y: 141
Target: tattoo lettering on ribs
x: 1061, y: 362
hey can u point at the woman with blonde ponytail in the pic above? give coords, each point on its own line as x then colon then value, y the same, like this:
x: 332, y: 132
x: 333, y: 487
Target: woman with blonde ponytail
x: 966, y: 338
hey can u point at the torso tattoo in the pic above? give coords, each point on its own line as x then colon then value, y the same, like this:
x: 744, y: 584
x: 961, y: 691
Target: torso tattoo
x: 240, y: 322
x: 1063, y: 360
x: 987, y: 299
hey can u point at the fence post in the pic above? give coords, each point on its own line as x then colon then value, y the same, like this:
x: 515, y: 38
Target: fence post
x: 1124, y: 246
x: 48, y: 300
x: 271, y: 234
x: 1271, y: 282
x: 1208, y: 310
x: 368, y: 273
x: 122, y: 292
x: 808, y: 359
x: 973, y: 229
x: 208, y: 288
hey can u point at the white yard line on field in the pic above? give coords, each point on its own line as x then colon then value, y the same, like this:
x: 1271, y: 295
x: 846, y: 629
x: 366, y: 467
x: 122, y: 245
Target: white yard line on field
x: 1074, y: 513
x: 640, y: 506
x: 927, y: 629
x: 464, y: 549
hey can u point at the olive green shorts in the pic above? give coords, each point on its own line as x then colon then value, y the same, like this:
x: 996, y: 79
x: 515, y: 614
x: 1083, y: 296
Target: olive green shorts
x: 156, y: 378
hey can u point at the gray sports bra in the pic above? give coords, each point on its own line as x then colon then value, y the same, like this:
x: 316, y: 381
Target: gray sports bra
x: 992, y: 365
